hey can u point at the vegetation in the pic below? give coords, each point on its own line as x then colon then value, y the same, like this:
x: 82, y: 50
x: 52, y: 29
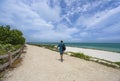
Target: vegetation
x: 101, y: 61
x: 8, y: 36
x: 80, y: 55
x: 4, y: 48
x: 51, y: 47
x: 118, y: 63
x: 10, y: 39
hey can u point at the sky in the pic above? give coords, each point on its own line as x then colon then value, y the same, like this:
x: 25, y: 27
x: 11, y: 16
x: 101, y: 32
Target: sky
x: 67, y: 20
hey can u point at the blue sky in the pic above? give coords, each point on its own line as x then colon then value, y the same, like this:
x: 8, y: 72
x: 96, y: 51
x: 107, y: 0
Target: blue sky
x: 68, y: 20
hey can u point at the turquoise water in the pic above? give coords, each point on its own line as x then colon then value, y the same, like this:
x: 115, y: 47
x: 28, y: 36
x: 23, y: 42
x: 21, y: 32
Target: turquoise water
x: 114, y: 47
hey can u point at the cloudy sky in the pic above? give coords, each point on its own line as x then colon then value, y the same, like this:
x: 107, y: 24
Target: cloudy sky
x: 69, y: 20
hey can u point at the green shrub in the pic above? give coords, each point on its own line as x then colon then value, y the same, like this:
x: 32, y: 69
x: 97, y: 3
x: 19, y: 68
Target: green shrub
x: 8, y: 47
x: 80, y: 55
x: 10, y: 39
x: 4, y: 48
x: 8, y: 36
x: 118, y: 63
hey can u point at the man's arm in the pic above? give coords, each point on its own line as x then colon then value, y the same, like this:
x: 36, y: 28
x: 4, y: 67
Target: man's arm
x: 58, y: 47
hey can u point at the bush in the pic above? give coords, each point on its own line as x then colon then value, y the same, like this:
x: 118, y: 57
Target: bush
x: 8, y: 36
x: 118, y: 63
x: 4, y: 48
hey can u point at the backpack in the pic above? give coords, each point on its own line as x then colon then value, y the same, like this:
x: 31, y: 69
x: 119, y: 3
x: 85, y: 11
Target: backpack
x: 64, y: 48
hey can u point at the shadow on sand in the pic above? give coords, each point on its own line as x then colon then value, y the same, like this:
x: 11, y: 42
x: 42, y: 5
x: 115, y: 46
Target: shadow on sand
x: 61, y: 60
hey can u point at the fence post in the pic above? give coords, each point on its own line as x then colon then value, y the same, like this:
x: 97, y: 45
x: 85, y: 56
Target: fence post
x: 21, y: 50
x: 10, y: 58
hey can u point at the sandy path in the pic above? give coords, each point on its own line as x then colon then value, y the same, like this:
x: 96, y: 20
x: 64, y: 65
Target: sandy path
x: 41, y: 64
x: 110, y: 56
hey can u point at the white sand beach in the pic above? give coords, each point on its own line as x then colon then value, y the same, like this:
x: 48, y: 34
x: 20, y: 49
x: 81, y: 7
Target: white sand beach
x: 40, y: 64
x: 110, y: 56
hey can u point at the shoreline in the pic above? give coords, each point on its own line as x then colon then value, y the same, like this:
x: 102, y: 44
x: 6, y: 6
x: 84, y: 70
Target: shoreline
x: 116, y: 50
x: 94, y: 49
x: 102, y: 54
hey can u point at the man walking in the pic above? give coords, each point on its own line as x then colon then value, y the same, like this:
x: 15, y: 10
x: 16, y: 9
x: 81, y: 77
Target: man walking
x: 62, y: 48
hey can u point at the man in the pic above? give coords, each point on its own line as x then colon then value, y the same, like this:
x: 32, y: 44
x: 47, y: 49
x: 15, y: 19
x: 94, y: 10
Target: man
x: 62, y: 48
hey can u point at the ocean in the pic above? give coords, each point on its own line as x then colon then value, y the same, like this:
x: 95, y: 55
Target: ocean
x: 113, y: 47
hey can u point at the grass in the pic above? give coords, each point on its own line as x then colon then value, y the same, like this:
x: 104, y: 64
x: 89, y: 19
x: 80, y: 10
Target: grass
x: 11, y: 48
x: 2, y: 51
x: 101, y: 61
x: 80, y: 55
x: 118, y: 63
x: 2, y: 61
x: 51, y: 47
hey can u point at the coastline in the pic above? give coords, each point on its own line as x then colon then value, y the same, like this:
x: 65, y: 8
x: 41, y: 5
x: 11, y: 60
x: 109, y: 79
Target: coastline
x: 111, y: 47
x: 107, y: 55
x: 101, y: 54
x: 101, y: 49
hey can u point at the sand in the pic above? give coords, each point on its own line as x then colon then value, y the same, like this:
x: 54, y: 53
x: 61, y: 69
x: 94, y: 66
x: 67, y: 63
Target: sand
x: 40, y: 64
x: 110, y: 56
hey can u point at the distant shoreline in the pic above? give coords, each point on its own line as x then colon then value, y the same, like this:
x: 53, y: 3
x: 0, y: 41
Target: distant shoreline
x: 95, y: 49
x: 99, y: 46
x: 107, y: 55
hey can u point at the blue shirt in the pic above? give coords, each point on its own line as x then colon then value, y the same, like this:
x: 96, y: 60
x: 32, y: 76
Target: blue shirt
x: 60, y: 45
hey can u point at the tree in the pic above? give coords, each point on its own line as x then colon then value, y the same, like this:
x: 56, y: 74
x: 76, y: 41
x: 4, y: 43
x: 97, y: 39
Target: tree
x: 8, y: 36
x: 4, y: 34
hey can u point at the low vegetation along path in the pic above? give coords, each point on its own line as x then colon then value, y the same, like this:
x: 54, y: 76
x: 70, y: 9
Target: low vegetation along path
x: 41, y: 64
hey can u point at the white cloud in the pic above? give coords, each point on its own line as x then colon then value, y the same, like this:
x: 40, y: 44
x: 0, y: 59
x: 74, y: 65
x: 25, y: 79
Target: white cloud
x: 50, y: 36
x: 36, y: 10
x: 45, y: 11
x: 62, y: 32
x: 113, y: 39
x: 99, y: 17
x: 83, y: 34
x: 35, y: 17
x: 93, y: 21
x: 65, y: 29
x: 115, y: 28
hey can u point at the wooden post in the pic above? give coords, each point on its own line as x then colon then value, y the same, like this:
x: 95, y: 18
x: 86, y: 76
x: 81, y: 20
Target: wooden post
x: 10, y: 58
x: 21, y: 50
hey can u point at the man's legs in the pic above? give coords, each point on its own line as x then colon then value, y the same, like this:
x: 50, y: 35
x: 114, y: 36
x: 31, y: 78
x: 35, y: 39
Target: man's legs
x: 61, y: 57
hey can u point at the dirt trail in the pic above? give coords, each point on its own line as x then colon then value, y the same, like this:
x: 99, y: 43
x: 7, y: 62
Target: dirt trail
x: 41, y: 64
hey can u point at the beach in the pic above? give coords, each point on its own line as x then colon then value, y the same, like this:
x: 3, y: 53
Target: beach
x: 106, y: 55
x: 40, y: 64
